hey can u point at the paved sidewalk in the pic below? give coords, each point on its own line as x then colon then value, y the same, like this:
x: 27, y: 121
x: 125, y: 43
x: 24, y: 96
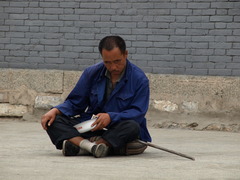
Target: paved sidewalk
x: 27, y: 153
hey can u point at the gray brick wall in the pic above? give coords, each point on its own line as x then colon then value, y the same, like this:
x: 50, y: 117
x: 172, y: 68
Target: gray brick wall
x: 193, y: 37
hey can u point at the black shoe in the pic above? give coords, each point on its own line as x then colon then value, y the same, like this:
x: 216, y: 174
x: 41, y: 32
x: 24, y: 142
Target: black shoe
x: 70, y: 149
x: 100, y: 150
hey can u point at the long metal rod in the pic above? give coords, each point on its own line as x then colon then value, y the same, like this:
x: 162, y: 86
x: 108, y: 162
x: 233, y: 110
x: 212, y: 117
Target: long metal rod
x: 167, y: 150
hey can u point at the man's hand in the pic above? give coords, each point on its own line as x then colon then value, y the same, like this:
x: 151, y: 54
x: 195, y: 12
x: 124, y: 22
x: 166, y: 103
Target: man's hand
x: 102, y: 121
x: 49, y: 117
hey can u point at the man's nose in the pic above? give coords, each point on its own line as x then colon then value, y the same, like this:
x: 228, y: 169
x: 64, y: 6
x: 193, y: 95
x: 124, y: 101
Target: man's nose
x: 113, y: 67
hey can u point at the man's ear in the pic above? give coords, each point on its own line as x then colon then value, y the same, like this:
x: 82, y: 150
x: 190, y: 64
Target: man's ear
x: 126, y: 53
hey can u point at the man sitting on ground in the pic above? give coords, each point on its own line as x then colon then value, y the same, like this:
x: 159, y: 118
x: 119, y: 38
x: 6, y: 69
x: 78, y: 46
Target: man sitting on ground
x: 117, y: 92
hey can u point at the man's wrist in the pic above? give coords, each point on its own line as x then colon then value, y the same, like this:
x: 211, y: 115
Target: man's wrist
x: 57, y: 111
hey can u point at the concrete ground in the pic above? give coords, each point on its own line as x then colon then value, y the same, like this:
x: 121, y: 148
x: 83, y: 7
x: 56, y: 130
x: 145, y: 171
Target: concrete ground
x: 27, y: 153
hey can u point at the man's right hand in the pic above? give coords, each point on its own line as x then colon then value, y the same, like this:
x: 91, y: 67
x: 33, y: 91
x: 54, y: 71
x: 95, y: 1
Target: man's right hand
x: 49, y: 117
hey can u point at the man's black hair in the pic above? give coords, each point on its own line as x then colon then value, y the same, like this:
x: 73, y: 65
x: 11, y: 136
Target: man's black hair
x: 111, y: 42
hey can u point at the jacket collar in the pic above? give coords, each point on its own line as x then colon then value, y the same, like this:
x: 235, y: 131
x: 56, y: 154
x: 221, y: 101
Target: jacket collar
x: 101, y: 82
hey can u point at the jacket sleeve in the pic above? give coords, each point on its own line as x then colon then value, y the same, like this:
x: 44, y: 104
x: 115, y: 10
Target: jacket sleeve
x: 138, y: 107
x: 77, y: 100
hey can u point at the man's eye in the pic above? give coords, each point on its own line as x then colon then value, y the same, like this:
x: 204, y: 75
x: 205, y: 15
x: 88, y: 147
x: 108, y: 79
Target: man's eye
x: 117, y: 61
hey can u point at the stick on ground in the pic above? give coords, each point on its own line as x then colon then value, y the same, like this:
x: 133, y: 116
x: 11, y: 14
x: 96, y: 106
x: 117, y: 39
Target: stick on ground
x: 167, y: 150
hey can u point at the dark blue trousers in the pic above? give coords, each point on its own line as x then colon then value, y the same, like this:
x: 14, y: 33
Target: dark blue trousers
x: 118, y: 134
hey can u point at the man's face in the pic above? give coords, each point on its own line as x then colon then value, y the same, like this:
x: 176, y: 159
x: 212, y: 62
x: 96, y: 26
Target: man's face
x: 114, y: 61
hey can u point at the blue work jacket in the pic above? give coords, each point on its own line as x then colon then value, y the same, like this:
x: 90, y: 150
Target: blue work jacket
x: 128, y: 101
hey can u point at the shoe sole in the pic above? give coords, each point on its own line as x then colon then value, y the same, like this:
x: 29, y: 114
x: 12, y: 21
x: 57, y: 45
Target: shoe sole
x: 64, y: 150
x: 100, y: 151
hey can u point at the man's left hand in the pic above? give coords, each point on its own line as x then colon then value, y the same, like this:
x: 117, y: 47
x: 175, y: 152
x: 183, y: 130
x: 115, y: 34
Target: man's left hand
x: 103, y: 119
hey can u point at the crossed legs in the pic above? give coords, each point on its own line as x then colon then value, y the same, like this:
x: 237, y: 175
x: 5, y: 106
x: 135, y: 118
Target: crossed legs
x: 115, y: 137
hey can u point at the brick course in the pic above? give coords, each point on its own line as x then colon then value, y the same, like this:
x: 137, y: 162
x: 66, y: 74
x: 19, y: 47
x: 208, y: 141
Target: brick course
x: 168, y: 37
